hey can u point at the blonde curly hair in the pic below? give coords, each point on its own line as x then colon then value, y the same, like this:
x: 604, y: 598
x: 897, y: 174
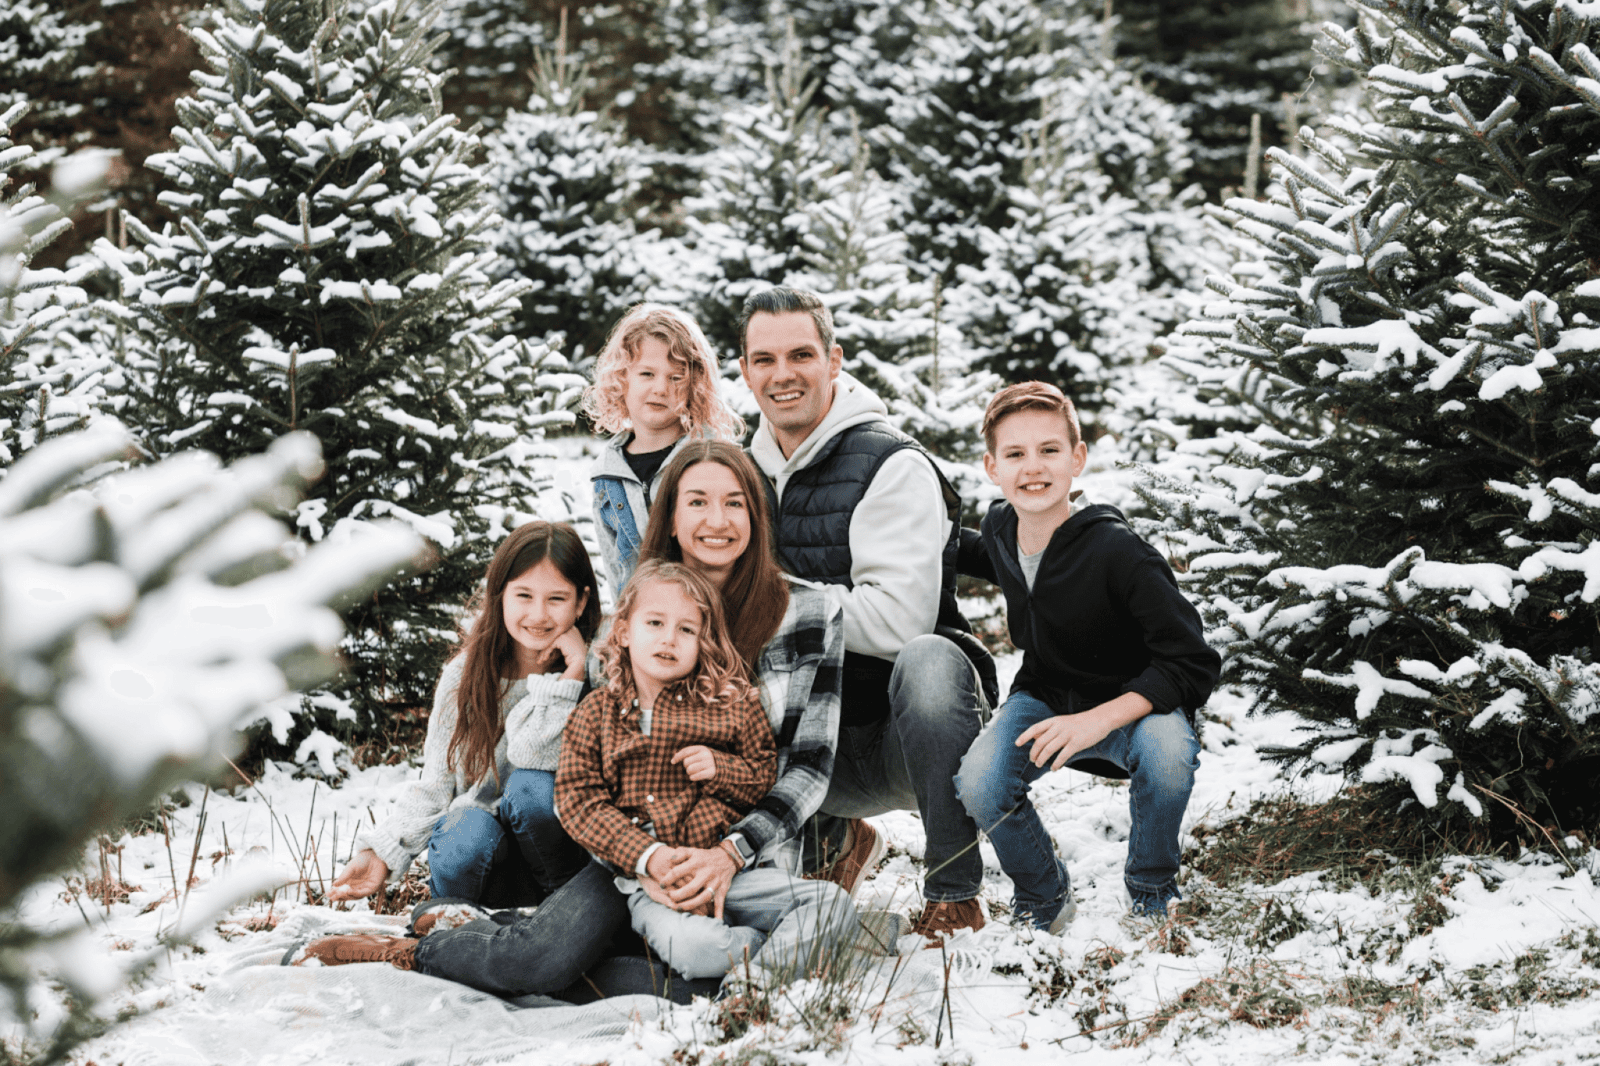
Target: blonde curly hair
x: 719, y: 673
x: 604, y: 401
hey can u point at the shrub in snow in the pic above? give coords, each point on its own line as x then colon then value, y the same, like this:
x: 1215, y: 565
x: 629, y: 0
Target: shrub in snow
x: 1220, y: 64
x: 952, y: 132
x: 331, y: 272
x: 142, y: 620
x: 1099, y: 253
x: 889, y: 323
x: 566, y: 182
x: 41, y: 56
x: 747, y: 220
x: 1403, y: 550
x: 51, y: 380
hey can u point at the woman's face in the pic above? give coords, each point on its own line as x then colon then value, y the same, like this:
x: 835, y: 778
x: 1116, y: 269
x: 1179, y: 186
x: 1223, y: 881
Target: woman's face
x: 711, y: 520
x: 538, y: 606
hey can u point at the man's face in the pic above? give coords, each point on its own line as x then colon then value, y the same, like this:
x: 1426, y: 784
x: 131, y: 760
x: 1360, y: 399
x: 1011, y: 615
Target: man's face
x: 791, y: 375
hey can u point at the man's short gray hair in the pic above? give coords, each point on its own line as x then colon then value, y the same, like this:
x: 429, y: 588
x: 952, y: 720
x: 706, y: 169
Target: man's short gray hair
x: 782, y: 300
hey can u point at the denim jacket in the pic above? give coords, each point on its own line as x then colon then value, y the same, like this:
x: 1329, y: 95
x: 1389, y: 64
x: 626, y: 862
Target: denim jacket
x: 620, y: 510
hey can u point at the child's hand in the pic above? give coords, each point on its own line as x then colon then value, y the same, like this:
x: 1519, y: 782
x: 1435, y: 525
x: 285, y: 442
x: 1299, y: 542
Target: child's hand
x: 1063, y: 737
x: 574, y: 652
x: 698, y: 761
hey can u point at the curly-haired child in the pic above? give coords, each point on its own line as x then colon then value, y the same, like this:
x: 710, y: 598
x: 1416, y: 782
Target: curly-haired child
x: 655, y: 387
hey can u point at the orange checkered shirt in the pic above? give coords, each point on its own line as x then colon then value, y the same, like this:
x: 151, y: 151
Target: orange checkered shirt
x: 613, y: 780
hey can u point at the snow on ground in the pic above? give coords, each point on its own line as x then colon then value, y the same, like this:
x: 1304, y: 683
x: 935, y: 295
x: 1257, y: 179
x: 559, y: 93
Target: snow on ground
x: 1504, y: 968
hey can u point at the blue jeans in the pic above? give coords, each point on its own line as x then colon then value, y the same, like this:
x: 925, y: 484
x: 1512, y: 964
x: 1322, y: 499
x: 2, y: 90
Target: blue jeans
x: 908, y: 762
x: 1159, y: 753
x: 469, y: 843
x: 785, y: 926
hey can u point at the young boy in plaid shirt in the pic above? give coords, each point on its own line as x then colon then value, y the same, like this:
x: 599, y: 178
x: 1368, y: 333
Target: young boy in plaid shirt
x: 671, y: 752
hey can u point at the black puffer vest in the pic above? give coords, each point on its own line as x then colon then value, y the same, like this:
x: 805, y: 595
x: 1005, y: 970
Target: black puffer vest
x: 813, y: 540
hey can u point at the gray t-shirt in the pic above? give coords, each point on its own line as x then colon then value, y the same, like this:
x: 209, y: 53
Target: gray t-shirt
x: 1030, y: 564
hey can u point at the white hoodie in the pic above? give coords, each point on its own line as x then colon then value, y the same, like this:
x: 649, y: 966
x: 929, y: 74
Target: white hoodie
x: 897, y: 533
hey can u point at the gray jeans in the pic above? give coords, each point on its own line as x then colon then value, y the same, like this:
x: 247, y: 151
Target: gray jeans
x: 784, y: 926
x: 909, y: 761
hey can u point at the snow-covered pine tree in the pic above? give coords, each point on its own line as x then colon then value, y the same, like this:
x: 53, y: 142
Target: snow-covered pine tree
x: 1221, y: 63
x: 566, y: 181
x: 895, y: 335
x: 41, y: 54
x: 49, y: 382
x: 952, y: 129
x: 1404, y: 553
x: 708, y: 57
x: 330, y: 273
x: 1101, y: 252
x: 747, y: 220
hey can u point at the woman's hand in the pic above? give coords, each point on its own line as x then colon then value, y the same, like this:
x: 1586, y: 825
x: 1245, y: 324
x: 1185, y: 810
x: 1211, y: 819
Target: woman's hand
x: 364, y: 876
x: 700, y: 877
x: 574, y: 652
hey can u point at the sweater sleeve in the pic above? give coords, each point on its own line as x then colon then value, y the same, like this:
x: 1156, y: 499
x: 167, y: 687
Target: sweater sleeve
x: 897, y: 537
x: 534, y: 724
x: 1183, y: 667
x: 812, y: 657
x: 745, y: 775
x: 584, y: 801
x: 405, y: 833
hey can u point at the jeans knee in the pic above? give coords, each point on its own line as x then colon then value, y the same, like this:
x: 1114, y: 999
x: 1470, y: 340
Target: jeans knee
x: 987, y: 783
x: 528, y: 800
x: 1167, y: 754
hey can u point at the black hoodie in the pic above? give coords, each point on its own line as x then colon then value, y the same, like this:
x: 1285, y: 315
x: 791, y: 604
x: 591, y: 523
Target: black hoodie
x: 1105, y: 615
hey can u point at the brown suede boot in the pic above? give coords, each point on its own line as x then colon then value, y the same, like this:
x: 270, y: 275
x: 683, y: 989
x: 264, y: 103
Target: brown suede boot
x: 859, y: 859
x: 398, y: 951
x: 939, y: 920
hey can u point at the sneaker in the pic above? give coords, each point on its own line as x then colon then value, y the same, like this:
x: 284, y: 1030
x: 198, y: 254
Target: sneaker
x: 851, y: 868
x: 1063, y: 918
x: 1156, y: 907
x: 939, y: 920
x: 398, y: 951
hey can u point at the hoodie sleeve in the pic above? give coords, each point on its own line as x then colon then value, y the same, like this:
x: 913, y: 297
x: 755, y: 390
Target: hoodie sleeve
x: 897, y: 538
x: 972, y: 558
x: 1183, y: 667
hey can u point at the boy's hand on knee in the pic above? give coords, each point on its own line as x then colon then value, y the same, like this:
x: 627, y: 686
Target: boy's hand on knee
x: 1061, y: 737
x: 698, y: 761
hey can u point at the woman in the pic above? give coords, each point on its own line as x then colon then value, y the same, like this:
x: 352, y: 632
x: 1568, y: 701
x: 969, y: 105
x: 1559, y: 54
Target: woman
x: 711, y: 514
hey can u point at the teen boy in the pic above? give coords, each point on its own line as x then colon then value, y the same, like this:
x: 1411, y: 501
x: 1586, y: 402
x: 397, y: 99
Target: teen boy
x: 1114, y: 670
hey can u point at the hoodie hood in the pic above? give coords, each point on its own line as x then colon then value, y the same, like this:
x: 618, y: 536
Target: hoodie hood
x: 1002, y: 520
x: 853, y: 404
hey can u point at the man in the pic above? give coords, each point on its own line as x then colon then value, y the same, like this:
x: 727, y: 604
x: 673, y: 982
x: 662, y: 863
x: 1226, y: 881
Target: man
x: 860, y: 506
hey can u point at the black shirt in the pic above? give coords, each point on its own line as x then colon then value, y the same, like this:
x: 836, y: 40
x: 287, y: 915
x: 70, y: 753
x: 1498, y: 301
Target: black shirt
x: 645, y: 464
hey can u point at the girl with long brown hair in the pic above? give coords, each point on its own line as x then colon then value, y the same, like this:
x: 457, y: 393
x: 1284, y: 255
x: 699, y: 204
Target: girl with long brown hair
x: 484, y: 806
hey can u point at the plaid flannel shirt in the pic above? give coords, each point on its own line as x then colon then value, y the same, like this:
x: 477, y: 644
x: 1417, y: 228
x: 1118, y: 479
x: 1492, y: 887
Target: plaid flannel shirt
x: 613, y: 780
x: 800, y: 681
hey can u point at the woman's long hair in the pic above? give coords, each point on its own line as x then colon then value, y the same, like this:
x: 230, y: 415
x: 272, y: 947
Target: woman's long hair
x: 488, y: 648
x: 755, y: 596
x: 719, y: 672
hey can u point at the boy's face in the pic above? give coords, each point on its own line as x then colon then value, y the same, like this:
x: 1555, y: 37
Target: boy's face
x: 663, y: 636
x: 1034, y: 462
x: 655, y: 393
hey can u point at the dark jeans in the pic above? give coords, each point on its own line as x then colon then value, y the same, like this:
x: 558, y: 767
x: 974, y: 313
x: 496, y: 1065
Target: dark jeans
x: 577, y: 946
x: 909, y: 762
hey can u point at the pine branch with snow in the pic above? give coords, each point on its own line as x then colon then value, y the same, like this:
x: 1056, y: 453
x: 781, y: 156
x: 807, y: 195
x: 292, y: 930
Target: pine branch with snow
x: 147, y: 616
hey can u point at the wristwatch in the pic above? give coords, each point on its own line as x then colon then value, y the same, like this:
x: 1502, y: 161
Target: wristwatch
x: 747, y: 854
